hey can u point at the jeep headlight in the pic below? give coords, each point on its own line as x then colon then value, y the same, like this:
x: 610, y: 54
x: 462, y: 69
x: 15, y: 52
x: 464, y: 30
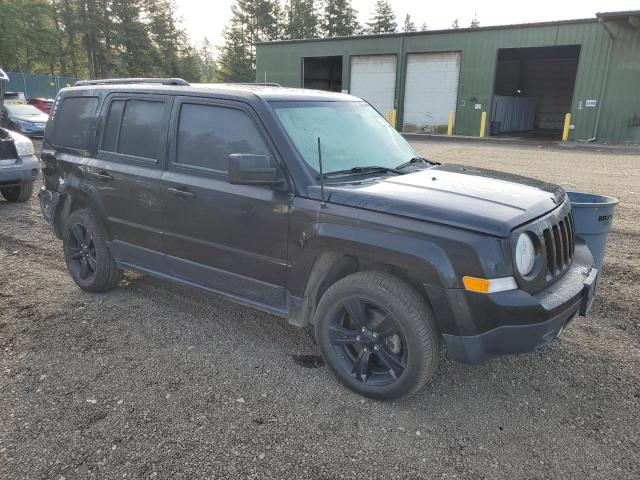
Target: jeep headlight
x: 24, y: 146
x: 525, y: 254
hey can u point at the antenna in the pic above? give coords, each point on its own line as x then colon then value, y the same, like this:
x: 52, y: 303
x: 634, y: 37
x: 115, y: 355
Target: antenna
x: 323, y: 204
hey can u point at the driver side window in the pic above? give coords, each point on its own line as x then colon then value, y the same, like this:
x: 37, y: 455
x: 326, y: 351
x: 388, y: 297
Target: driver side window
x: 208, y: 134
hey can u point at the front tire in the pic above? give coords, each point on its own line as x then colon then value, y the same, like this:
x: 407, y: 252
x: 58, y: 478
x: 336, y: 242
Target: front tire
x: 378, y: 335
x: 87, y: 254
x: 18, y: 194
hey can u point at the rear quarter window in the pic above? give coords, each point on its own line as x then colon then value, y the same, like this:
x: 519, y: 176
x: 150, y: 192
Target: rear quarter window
x: 74, y: 122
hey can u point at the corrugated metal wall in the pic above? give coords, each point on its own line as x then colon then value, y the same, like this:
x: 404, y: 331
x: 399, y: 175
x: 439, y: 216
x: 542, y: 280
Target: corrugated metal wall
x: 620, y: 116
x: 37, y: 85
x: 282, y: 63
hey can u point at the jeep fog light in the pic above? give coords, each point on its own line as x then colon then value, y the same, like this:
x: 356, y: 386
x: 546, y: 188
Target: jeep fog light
x: 525, y: 254
x: 489, y: 285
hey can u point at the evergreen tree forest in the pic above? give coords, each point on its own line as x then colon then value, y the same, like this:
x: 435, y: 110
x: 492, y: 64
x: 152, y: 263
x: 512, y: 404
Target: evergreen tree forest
x: 146, y: 38
x: 97, y: 39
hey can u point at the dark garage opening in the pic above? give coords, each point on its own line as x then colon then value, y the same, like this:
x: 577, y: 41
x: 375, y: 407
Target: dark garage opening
x: 322, y: 73
x: 533, y: 90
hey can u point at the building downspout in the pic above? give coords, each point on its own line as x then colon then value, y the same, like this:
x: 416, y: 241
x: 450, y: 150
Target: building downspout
x: 605, y: 79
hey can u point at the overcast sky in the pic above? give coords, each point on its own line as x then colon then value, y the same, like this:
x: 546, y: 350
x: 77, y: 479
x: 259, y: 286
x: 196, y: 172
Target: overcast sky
x: 207, y: 18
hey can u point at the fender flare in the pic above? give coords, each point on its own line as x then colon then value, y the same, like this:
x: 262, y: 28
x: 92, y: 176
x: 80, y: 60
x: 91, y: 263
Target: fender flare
x: 423, y: 258
x: 72, y: 190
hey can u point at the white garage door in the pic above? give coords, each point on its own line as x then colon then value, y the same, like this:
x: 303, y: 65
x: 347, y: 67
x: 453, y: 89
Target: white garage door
x: 431, y: 90
x: 373, y: 78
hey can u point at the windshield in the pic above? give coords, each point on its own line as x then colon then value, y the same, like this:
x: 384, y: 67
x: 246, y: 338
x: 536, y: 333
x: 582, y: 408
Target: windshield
x: 352, y: 135
x: 19, y: 109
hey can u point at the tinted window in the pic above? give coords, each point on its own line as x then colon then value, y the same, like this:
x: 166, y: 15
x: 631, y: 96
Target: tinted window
x: 112, y: 127
x: 74, y: 122
x: 207, y: 135
x: 134, y: 127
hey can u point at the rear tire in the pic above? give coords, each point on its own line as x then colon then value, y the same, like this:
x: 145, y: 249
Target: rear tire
x: 378, y: 335
x: 18, y: 194
x: 87, y: 254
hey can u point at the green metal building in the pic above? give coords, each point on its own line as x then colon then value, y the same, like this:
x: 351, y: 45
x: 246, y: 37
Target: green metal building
x: 526, y: 77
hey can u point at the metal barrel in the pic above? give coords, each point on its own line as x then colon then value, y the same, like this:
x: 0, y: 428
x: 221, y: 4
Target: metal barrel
x: 593, y: 217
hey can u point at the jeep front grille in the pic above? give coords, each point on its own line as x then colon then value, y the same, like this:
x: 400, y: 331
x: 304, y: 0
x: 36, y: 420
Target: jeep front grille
x: 559, y: 243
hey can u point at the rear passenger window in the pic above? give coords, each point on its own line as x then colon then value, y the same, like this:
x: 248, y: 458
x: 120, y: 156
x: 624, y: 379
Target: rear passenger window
x: 74, y: 122
x: 207, y: 135
x: 134, y: 127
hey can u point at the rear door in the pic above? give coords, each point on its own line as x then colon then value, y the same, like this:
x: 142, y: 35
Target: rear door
x: 126, y: 171
x: 229, y: 238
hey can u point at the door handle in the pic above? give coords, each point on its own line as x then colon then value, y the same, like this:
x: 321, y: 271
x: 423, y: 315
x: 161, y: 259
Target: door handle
x: 181, y: 192
x: 101, y: 175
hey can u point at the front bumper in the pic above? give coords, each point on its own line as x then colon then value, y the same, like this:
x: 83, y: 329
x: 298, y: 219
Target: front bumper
x: 484, y: 326
x: 31, y: 130
x: 22, y: 170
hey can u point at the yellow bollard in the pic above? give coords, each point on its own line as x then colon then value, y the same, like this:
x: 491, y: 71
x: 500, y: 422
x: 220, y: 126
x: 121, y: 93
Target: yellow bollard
x: 450, y: 126
x: 483, y: 124
x: 394, y: 112
x: 565, y: 130
x: 386, y: 115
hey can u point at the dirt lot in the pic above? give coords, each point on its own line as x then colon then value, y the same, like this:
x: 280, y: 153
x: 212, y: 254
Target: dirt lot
x: 157, y: 381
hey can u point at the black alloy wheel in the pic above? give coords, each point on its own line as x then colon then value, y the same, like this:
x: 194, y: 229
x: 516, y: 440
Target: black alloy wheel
x: 82, y: 252
x: 368, y: 342
x: 378, y: 335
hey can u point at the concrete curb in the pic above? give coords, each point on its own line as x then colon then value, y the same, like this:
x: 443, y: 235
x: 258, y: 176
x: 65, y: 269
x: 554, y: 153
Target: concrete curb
x: 619, y: 149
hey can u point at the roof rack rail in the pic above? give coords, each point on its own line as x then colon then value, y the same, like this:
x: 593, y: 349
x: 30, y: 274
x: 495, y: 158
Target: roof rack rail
x: 265, y: 84
x: 125, y: 81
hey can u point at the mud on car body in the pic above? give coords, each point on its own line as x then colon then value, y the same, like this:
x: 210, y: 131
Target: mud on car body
x: 308, y: 205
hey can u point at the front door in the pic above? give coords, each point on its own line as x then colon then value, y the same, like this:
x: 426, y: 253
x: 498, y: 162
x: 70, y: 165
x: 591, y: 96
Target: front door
x: 127, y: 170
x: 228, y: 238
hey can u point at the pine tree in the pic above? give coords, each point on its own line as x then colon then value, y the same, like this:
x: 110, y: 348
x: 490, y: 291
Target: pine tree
x: 339, y: 19
x: 302, y: 19
x: 208, y: 62
x: 383, y: 19
x: 455, y: 24
x: 235, y: 63
x: 475, y: 23
x: 424, y: 27
x: 252, y: 21
x: 409, y: 26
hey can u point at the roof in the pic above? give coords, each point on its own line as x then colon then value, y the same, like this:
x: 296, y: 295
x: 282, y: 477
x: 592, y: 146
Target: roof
x: 438, y: 32
x: 621, y: 14
x: 240, y: 91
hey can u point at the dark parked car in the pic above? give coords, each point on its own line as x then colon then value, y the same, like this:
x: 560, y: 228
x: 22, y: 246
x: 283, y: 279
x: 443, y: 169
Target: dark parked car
x: 18, y: 163
x: 42, y: 104
x: 23, y: 118
x: 308, y: 205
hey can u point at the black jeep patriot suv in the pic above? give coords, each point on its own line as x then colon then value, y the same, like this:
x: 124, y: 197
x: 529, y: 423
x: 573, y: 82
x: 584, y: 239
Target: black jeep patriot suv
x: 310, y: 206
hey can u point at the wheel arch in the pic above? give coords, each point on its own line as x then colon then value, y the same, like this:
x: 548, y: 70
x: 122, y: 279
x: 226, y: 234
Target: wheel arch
x: 74, y: 199
x: 325, y: 259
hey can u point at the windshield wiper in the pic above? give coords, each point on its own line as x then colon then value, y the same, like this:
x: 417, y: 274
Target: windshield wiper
x: 415, y: 160
x: 358, y: 170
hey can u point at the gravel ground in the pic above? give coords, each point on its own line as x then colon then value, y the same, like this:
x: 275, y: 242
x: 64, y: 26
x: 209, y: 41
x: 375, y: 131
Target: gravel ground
x: 158, y: 381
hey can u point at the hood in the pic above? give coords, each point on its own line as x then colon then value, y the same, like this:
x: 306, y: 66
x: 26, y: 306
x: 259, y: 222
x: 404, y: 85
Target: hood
x: 467, y: 197
x: 42, y: 118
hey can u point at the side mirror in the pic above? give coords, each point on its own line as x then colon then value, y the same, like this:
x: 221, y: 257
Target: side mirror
x: 249, y: 169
